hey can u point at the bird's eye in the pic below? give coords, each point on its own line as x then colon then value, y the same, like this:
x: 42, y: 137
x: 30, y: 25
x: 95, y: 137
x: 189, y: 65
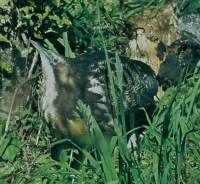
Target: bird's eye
x: 55, y: 60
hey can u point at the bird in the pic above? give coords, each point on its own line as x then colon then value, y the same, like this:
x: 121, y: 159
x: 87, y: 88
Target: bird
x: 85, y: 78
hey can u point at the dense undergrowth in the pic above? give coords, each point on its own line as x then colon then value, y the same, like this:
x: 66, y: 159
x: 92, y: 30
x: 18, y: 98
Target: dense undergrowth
x: 168, y: 152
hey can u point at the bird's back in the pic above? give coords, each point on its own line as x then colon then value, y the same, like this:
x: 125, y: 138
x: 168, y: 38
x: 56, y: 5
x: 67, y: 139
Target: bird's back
x: 93, y: 85
x: 139, y: 81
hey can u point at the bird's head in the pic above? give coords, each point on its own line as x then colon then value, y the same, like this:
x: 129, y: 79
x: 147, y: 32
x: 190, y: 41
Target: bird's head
x: 48, y: 57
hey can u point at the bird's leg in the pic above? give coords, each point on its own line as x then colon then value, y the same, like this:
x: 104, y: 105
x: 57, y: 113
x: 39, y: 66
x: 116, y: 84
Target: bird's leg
x: 131, y: 125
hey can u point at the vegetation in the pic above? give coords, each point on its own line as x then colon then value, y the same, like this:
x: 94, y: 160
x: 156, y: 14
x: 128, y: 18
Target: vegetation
x: 168, y: 153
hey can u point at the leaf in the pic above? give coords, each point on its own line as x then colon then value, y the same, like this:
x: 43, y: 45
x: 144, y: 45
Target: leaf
x: 12, y: 150
x: 4, y: 3
x: 26, y: 9
x: 3, y: 144
x: 50, y: 45
x: 6, y: 65
x: 4, y: 39
x: 3, y: 182
x: 134, y: 11
x: 68, y: 50
x: 103, y: 147
x: 155, y: 167
x: 56, y: 2
x: 195, y: 4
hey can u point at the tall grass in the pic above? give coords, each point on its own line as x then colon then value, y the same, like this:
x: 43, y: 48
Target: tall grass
x: 167, y: 154
x: 169, y: 150
x: 171, y: 139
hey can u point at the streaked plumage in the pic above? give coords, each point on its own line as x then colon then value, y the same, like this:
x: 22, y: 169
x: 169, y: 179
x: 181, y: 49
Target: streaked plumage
x: 86, y: 78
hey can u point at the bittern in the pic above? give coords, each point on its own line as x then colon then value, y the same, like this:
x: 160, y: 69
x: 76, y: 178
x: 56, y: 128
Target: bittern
x: 86, y: 77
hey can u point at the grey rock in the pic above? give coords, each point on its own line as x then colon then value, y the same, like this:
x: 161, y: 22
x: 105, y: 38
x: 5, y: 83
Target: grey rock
x: 189, y: 27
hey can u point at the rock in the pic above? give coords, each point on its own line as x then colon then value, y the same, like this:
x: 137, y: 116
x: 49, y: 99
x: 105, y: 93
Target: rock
x: 155, y: 31
x: 189, y: 27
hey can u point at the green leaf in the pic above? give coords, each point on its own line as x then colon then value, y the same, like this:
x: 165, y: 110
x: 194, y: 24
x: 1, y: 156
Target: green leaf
x: 3, y: 182
x: 4, y: 3
x: 12, y: 150
x: 68, y: 50
x: 134, y: 11
x: 196, y: 4
x: 3, y: 144
x: 155, y: 167
x: 4, y: 39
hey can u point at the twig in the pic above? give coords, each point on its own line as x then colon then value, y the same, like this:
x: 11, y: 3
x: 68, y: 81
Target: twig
x: 10, y: 112
x: 71, y: 158
x: 38, y: 134
x: 12, y: 104
x: 35, y: 60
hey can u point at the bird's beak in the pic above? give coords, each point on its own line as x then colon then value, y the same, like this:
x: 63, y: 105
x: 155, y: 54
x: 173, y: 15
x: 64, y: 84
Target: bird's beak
x: 45, y: 55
